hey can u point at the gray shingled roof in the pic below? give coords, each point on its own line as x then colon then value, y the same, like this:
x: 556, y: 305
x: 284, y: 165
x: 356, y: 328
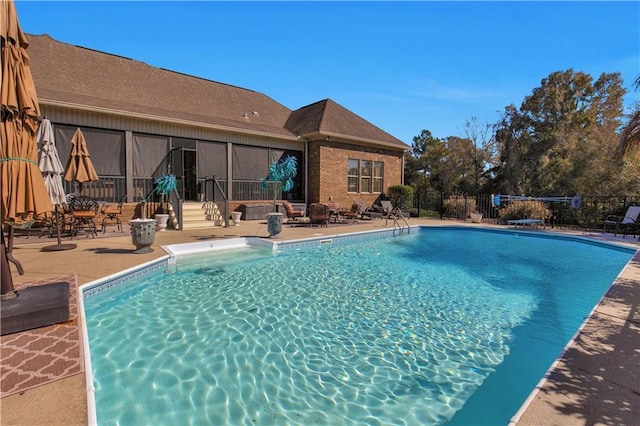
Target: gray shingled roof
x: 86, y: 78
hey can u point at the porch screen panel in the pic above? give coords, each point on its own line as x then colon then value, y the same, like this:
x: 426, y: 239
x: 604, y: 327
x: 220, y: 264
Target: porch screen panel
x: 276, y: 155
x: 212, y: 160
x: 250, y: 163
x: 106, y: 148
x: 149, y: 155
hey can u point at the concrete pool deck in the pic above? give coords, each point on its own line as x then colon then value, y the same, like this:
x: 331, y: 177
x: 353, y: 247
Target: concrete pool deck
x: 597, y: 381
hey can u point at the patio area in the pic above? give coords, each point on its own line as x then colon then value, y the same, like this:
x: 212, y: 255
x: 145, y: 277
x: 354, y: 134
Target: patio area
x: 42, y: 370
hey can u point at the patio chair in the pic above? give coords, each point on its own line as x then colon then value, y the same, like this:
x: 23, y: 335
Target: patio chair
x: 369, y: 212
x: 292, y: 214
x: 83, y: 211
x: 623, y: 223
x: 352, y: 214
x: 319, y: 214
x: 387, y: 208
x: 112, y: 213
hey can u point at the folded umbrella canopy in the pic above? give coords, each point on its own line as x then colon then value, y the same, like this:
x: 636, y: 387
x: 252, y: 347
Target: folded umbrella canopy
x: 23, y: 192
x: 49, y: 163
x: 79, y: 166
x: 52, y: 171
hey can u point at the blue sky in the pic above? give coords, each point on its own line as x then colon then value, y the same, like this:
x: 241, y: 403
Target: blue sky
x: 403, y: 66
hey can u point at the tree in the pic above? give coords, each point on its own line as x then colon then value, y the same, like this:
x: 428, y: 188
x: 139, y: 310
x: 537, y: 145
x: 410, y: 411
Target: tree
x: 482, y: 152
x: 454, y: 164
x: 425, y: 166
x: 630, y: 136
x: 554, y: 143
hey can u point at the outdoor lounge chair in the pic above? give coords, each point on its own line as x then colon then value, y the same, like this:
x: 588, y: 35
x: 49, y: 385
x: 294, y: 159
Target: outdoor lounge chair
x: 292, y: 214
x: 319, y: 214
x: 387, y: 208
x: 623, y: 223
x: 369, y: 212
x: 523, y: 222
x: 352, y: 214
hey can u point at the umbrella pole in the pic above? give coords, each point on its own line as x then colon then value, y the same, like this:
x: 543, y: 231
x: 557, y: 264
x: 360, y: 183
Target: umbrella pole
x: 57, y: 224
x: 6, y: 280
x: 59, y: 246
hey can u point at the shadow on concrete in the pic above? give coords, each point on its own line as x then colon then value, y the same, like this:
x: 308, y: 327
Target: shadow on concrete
x: 598, y: 379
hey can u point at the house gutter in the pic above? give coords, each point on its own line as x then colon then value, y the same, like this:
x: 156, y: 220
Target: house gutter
x: 345, y: 138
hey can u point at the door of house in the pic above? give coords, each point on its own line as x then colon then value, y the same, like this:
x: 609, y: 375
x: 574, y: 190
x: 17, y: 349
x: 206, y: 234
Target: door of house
x: 183, y: 164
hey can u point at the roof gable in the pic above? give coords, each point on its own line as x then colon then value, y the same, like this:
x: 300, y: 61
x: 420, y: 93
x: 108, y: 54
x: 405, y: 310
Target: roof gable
x: 328, y: 118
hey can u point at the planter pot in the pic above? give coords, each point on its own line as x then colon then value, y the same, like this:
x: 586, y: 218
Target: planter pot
x: 163, y: 220
x: 476, y: 217
x: 236, y: 217
x: 274, y: 224
x: 143, y: 234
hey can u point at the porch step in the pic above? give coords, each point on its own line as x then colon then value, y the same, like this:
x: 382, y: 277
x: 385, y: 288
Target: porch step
x: 196, y: 215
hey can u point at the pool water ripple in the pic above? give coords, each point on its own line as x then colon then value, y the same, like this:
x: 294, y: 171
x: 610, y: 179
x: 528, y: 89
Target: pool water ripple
x: 335, y: 335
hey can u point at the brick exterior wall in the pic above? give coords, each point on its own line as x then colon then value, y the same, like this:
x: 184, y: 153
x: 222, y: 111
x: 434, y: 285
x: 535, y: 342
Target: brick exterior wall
x: 328, y: 171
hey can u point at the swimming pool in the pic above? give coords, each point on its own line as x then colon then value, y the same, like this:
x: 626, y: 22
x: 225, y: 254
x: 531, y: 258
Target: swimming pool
x: 442, y: 325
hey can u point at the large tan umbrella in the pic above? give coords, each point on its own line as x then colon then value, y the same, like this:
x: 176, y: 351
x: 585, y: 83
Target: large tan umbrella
x: 23, y: 191
x: 79, y: 166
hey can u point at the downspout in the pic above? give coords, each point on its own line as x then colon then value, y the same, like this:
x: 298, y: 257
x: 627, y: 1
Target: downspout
x: 306, y: 172
x: 402, y: 173
x: 229, y: 182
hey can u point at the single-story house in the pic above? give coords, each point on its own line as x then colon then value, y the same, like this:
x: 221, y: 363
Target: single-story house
x: 142, y: 121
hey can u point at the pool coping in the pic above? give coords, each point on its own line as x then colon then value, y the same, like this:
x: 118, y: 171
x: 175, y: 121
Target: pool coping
x: 176, y: 250
x: 515, y: 419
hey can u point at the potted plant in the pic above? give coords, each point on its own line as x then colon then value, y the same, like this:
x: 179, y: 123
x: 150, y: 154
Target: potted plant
x: 280, y: 175
x: 164, y: 184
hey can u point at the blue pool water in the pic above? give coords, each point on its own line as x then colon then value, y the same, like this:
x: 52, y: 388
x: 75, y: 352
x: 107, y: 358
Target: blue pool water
x: 442, y: 326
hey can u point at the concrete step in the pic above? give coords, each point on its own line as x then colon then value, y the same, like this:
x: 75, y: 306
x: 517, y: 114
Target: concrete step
x: 197, y: 216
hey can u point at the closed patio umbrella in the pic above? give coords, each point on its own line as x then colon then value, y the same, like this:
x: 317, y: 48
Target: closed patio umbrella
x: 79, y: 166
x: 52, y: 171
x: 23, y: 192
x: 49, y: 163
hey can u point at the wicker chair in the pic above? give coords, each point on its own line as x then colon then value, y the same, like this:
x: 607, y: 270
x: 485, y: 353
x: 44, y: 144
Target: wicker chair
x: 319, y: 214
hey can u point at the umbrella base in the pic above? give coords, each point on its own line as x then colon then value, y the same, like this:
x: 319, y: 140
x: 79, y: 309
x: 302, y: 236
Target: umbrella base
x: 59, y: 247
x: 35, y: 307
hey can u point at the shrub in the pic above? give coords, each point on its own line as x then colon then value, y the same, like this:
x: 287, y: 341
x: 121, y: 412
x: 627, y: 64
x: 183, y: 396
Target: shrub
x: 459, y: 206
x: 524, y: 209
x: 401, y: 196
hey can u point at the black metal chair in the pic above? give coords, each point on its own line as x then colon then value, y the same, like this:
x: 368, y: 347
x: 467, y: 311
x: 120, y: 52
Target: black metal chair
x: 83, y: 211
x: 112, y: 214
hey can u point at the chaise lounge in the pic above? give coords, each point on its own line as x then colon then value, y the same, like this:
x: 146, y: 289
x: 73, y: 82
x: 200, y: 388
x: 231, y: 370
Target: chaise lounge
x: 523, y: 222
x: 623, y: 223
